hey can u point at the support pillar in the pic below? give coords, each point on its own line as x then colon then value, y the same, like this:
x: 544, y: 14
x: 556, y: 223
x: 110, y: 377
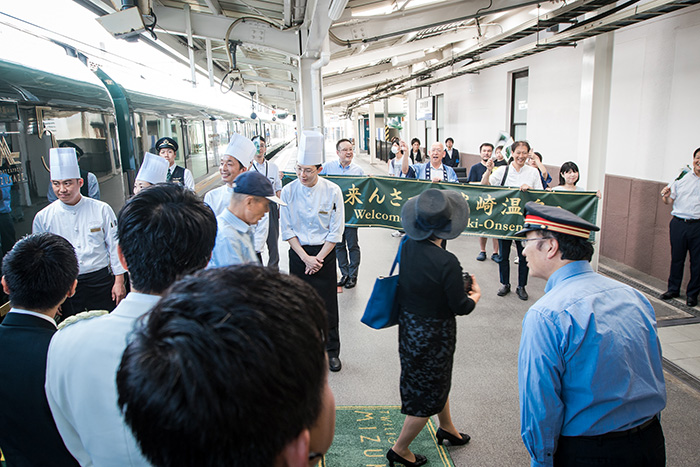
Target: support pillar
x: 596, y: 77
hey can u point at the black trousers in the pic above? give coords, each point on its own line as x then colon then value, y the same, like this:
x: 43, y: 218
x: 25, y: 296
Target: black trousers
x: 685, y: 238
x: 350, y: 244
x: 273, y: 237
x: 325, y: 283
x: 94, y: 292
x: 644, y: 448
x: 504, y: 266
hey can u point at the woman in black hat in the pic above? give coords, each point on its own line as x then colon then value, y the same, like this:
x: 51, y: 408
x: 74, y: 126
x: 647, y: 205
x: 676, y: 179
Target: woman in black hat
x: 431, y: 292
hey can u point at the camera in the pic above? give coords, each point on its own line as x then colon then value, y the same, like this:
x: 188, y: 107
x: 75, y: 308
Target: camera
x: 467, y: 282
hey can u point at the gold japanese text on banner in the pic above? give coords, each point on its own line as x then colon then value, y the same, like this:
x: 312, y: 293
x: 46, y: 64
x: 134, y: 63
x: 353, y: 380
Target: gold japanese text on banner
x: 494, y: 211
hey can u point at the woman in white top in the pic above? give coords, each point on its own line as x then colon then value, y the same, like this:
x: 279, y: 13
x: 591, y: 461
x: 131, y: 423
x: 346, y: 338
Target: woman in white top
x: 568, y: 177
x: 399, y: 149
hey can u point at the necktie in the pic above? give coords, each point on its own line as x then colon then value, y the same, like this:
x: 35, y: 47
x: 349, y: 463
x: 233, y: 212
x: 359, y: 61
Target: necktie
x: 170, y: 175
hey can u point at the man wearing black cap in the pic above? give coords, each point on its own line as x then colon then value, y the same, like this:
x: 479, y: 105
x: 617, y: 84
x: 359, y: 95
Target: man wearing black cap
x: 589, y: 368
x: 235, y: 242
x: 167, y: 148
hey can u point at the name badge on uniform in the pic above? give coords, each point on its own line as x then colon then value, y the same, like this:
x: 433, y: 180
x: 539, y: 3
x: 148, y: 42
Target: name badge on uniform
x: 96, y: 229
x: 323, y: 212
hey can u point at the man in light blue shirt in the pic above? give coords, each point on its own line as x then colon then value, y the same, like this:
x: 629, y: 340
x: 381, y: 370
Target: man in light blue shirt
x: 589, y: 368
x: 349, y: 245
x: 434, y: 169
x: 235, y: 235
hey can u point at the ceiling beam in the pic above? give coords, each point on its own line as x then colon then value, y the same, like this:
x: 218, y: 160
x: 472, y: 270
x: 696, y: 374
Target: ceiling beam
x: 352, y: 86
x: 249, y: 31
x: 396, y: 24
x: 214, y: 7
x: 345, y: 75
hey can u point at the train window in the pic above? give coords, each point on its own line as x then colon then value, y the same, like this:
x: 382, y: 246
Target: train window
x: 93, y: 132
x: 196, y: 156
x: 518, y: 105
x: 217, y: 140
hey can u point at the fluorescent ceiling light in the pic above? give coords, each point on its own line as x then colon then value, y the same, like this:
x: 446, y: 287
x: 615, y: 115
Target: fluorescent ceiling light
x: 375, y: 9
x: 419, y: 3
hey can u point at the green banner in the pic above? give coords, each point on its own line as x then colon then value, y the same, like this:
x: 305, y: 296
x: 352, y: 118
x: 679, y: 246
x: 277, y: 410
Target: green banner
x: 494, y: 211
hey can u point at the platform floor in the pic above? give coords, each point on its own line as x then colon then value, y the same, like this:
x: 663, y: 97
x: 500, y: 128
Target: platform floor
x: 484, y: 396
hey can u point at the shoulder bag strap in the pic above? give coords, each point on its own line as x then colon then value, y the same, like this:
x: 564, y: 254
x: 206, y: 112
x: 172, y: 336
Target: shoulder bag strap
x: 398, y: 255
x: 505, y: 175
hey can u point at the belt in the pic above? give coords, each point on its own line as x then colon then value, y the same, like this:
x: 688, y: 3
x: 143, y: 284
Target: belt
x: 621, y: 434
x: 93, y: 274
x: 687, y: 221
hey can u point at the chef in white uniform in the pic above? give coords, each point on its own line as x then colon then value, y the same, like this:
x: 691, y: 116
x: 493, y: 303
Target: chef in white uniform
x: 235, y: 160
x: 312, y: 222
x: 91, y: 227
x: 154, y: 169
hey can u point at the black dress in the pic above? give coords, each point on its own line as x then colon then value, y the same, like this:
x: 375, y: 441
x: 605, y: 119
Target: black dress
x: 431, y: 293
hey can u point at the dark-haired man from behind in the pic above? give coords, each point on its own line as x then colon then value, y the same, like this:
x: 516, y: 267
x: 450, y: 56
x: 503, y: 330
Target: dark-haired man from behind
x: 589, y: 367
x: 201, y: 379
x: 47, y: 263
x: 164, y: 232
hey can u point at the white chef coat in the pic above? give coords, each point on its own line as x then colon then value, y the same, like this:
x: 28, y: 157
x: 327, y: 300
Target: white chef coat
x: 90, y: 226
x: 313, y: 214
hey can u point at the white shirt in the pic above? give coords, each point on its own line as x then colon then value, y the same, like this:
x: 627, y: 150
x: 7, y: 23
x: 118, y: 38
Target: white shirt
x: 188, y: 178
x: 271, y: 171
x: 262, y: 228
x: 685, y: 194
x: 90, y: 226
x: 81, y: 385
x: 527, y: 175
x: 218, y: 199
x: 313, y: 214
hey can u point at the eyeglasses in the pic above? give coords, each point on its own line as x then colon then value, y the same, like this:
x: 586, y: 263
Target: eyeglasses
x: 534, y: 239
x: 305, y: 171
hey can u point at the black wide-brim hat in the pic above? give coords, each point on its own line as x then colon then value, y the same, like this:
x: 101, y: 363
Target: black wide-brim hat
x: 442, y: 213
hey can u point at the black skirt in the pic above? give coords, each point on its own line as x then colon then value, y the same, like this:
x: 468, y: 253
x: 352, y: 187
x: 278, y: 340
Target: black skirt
x: 426, y: 349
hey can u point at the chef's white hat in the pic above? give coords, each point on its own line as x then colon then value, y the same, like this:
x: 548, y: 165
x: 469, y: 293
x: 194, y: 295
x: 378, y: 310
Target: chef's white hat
x: 241, y: 148
x: 310, y: 148
x: 64, y: 163
x: 154, y: 169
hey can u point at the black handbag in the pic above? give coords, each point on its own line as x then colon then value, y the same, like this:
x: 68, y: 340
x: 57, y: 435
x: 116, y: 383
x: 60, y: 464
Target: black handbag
x: 382, y: 310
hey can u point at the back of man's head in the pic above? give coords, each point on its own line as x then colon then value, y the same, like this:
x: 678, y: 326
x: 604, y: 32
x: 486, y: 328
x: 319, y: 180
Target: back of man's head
x: 39, y: 271
x: 164, y: 233
x: 227, y: 370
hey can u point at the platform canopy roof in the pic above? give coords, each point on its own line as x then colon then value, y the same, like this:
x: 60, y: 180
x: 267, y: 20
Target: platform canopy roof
x: 378, y: 48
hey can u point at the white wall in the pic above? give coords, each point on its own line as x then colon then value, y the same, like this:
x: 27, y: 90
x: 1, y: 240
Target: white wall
x: 654, y: 122
x: 655, y: 97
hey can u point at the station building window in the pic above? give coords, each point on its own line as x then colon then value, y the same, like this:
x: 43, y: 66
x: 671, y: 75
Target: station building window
x: 518, y: 105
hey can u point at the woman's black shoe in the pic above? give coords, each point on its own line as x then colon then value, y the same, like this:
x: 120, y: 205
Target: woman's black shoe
x: 392, y: 457
x: 442, y: 435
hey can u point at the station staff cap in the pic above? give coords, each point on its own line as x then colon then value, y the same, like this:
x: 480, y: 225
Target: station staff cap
x: 552, y: 218
x: 63, y: 163
x: 242, y: 149
x: 154, y: 169
x: 310, y: 148
x: 166, y: 143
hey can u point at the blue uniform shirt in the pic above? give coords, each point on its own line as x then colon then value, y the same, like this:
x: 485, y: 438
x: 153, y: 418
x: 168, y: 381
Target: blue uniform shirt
x: 589, y: 362
x: 335, y: 168
x: 235, y: 243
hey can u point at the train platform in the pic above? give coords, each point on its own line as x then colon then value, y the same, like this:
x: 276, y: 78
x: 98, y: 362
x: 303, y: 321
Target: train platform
x: 484, y: 396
